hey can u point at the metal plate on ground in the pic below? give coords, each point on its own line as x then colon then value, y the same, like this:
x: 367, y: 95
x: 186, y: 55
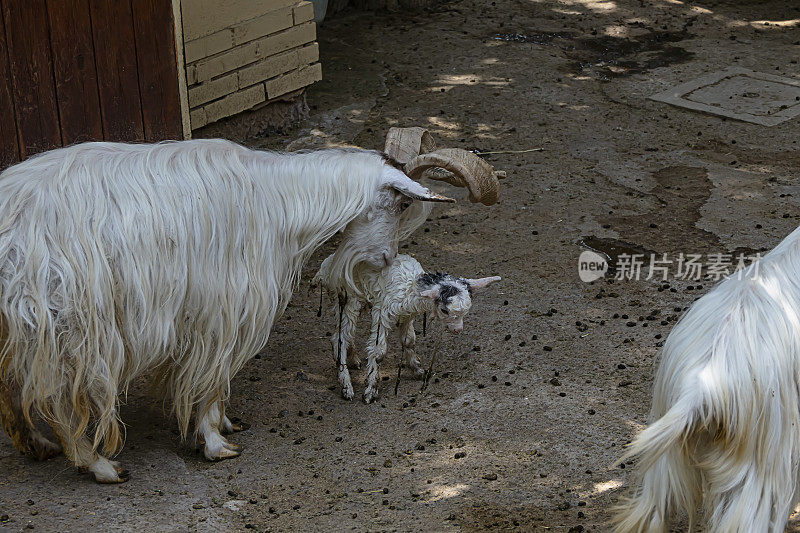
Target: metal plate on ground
x: 740, y: 94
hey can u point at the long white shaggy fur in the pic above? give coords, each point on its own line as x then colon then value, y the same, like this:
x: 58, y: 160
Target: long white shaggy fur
x: 725, y: 429
x: 117, y: 260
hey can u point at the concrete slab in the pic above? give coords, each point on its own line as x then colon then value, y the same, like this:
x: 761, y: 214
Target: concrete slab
x: 740, y: 94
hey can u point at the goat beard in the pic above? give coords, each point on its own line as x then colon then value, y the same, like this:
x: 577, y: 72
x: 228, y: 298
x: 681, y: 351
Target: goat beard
x: 339, y: 270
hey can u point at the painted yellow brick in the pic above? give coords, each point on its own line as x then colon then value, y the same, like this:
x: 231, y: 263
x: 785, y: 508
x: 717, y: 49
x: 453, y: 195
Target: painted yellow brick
x: 303, y: 12
x: 294, y: 80
x: 275, y: 65
x: 253, y: 51
x: 213, y: 89
x: 270, y: 23
x: 235, y: 103
x: 204, y: 17
x: 209, y: 45
x: 191, y: 75
x: 309, y: 54
x: 197, y: 118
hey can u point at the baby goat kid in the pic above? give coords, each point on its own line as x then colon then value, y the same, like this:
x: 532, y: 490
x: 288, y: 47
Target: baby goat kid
x: 397, y: 294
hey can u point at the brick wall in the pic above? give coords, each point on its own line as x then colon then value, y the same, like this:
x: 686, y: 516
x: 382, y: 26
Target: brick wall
x: 242, y: 53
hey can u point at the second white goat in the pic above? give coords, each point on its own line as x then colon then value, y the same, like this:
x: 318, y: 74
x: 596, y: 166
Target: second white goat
x: 397, y: 294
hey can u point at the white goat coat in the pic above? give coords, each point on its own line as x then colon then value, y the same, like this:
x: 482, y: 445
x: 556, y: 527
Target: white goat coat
x: 121, y: 259
x: 726, y: 407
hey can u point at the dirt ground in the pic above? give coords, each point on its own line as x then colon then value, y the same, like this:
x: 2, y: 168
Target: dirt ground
x: 551, y: 377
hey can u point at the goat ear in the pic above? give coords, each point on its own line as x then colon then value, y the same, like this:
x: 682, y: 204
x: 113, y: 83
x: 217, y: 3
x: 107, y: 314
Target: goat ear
x: 426, y: 196
x: 431, y: 293
x: 410, y: 188
x: 477, y: 284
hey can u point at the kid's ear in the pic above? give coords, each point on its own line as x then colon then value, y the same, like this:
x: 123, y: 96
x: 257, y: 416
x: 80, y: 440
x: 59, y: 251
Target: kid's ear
x: 431, y: 293
x: 477, y: 284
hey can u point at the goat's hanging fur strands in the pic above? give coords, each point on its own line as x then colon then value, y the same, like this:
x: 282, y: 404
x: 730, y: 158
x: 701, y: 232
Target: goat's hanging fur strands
x: 725, y: 418
x: 117, y: 260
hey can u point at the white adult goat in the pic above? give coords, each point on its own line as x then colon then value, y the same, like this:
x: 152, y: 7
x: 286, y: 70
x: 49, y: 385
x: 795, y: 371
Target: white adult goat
x: 397, y: 293
x: 725, y: 418
x: 175, y: 258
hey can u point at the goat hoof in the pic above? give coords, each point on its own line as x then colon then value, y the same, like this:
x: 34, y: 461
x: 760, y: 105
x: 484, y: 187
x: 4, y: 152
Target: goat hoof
x: 109, y: 472
x: 122, y: 477
x: 233, y: 447
x: 224, y: 452
x: 370, y: 396
x: 227, y: 453
x: 347, y: 392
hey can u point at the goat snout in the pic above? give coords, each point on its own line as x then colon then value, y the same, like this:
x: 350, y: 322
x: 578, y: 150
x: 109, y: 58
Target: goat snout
x: 458, y: 328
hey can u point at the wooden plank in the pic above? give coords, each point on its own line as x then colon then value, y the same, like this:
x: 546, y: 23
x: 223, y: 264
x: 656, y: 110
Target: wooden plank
x: 74, y: 70
x: 117, y: 78
x: 31, y: 69
x: 181, y: 66
x: 158, y: 72
x: 9, y: 145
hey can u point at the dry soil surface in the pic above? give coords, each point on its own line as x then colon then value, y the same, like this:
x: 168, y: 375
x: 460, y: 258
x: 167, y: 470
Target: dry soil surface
x: 552, y: 376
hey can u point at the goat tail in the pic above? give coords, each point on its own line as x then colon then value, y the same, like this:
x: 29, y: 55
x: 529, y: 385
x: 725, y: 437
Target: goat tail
x: 665, y: 477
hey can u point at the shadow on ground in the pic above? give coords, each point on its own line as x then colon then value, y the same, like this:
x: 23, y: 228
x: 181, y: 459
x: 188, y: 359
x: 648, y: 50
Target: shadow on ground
x: 551, y: 377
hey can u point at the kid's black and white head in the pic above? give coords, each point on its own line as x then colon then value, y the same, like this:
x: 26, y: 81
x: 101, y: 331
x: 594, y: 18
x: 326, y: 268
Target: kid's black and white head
x: 453, y: 296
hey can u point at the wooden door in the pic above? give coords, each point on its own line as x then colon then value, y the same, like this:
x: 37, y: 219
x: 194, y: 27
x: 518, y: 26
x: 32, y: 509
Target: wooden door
x: 80, y: 70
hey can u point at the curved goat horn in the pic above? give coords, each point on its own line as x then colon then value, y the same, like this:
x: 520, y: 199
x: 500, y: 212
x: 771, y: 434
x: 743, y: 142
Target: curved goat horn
x: 465, y: 169
x: 404, y: 144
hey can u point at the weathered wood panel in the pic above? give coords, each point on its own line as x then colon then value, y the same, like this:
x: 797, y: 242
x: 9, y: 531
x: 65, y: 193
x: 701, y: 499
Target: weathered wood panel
x: 117, y: 77
x: 31, y: 69
x: 80, y: 70
x: 9, y: 146
x: 74, y: 69
x: 158, y: 71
